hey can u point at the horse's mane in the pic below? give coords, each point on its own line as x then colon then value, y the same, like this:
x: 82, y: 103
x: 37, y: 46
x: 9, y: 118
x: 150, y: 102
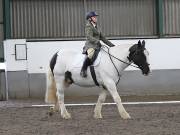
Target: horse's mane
x: 133, y: 48
x: 123, y: 47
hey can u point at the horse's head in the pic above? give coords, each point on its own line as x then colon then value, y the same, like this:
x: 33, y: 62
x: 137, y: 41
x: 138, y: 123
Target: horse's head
x: 139, y: 56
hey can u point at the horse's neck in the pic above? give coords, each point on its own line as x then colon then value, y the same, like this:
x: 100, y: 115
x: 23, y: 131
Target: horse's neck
x: 122, y: 53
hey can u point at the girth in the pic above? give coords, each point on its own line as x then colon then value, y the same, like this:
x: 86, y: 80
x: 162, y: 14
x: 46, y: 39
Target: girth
x: 93, y: 74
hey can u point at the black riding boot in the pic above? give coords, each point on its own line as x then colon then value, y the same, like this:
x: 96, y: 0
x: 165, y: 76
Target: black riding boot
x: 86, y: 63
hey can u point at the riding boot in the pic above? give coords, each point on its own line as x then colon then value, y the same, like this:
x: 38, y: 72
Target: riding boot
x: 86, y: 63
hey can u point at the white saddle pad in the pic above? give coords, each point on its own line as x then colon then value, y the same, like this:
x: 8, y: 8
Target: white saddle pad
x: 79, y: 59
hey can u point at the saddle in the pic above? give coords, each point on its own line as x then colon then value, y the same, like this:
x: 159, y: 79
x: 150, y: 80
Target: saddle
x: 79, y: 59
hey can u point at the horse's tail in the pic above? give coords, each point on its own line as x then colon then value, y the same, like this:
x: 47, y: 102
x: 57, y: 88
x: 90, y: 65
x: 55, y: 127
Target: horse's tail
x: 50, y: 96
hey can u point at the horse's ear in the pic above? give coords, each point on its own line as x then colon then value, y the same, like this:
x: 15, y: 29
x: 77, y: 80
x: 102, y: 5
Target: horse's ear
x: 143, y: 43
x: 139, y: 43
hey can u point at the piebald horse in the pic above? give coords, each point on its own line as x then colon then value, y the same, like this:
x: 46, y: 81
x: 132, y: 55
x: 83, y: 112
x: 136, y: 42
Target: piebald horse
x: 62, y: 73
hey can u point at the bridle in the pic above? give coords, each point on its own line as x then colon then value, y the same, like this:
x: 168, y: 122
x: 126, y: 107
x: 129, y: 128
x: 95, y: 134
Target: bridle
x: 112, y: 56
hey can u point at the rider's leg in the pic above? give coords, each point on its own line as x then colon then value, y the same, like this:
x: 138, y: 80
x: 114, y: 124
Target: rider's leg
x: 90, y: 52
x: 87, y: 62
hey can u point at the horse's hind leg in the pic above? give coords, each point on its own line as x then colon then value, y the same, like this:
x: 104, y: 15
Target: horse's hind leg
x: 55, y: 108
x: 111, y: 86
x: 98, y: 108
x: 60, y: 95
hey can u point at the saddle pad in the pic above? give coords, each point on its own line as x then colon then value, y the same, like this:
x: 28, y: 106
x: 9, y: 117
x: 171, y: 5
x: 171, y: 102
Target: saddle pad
x: 79, y: 59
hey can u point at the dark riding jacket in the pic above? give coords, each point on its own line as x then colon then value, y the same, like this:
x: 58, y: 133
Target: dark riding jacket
x: 93, y: 37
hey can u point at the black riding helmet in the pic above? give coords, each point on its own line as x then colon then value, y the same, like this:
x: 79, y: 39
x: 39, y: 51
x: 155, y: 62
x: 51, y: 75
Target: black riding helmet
x: 91, y: 14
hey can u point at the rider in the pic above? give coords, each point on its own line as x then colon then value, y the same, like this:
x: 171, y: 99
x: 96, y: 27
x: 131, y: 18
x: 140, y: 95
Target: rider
x: 93, y: 37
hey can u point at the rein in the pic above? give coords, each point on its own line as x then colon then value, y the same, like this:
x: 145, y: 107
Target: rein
x: 110, y: 56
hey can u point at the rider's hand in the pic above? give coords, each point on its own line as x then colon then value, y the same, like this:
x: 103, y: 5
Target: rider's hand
x: 111, y: 45
x: 99, y: 44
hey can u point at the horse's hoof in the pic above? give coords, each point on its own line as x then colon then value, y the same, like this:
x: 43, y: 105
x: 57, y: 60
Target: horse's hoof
x: 125, y: 116
x: 50, y: 113
x: 97, y: 116
x: 66, y: 116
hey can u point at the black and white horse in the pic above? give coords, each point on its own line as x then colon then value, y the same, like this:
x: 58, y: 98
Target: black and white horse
x: 111, y: 62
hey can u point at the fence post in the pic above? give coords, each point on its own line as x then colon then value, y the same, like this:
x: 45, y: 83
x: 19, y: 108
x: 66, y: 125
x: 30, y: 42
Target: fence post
x: 159, y: 14
x: 7, y: 23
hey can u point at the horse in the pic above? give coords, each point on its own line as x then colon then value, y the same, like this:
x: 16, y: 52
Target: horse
x: 108, y: 67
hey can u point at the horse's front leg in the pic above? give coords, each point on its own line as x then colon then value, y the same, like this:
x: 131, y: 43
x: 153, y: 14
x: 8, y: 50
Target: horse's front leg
x: 60, y: 96
x: 98, y: 108
x: 111, y: 86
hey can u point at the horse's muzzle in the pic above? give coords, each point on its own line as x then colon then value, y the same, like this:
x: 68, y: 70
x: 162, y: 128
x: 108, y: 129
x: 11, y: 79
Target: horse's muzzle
x: 146, y: 74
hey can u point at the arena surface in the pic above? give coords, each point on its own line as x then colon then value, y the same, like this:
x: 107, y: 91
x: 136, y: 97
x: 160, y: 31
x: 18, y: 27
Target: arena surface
x: 20, y: 118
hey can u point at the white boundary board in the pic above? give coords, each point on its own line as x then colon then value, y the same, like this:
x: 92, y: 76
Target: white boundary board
x: 164, y: 53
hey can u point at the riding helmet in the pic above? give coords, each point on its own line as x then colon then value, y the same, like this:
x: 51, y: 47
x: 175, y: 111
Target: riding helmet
x: 91, y: 14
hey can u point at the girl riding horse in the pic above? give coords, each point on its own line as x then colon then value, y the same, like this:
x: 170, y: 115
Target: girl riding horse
x: 92, y: 45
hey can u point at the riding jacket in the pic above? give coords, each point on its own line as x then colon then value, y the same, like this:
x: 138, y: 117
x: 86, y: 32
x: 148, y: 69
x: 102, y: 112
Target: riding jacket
x: 93, y: 37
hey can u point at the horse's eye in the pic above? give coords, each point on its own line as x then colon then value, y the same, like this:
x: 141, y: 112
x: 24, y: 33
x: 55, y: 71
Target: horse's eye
x: 146, y: 52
